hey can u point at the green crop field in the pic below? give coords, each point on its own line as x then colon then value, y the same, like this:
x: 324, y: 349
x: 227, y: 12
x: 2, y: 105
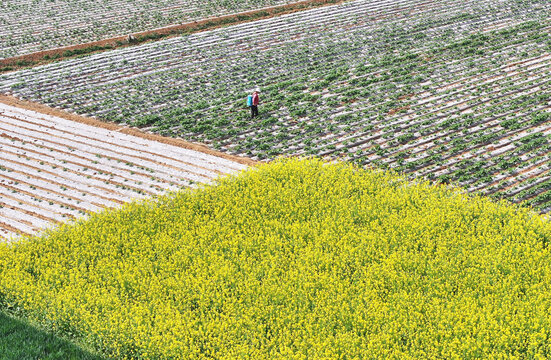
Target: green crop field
x: 390, y: 201
x: 30, y: 26
x: 449, y: 90
x: 295, y: 259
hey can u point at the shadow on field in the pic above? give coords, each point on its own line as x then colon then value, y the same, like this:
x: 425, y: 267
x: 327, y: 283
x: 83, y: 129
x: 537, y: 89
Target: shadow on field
x: 21, y: 341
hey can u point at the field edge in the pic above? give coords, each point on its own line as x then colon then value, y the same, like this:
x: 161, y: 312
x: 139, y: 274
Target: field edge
x: 47, y: 110
x: 71, y: 51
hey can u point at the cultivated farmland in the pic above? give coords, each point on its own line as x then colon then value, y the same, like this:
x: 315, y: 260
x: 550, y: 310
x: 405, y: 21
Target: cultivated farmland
x: 448, y: 90
x: 295, y: 259
x: 53, y: 169
x: 28, y: 26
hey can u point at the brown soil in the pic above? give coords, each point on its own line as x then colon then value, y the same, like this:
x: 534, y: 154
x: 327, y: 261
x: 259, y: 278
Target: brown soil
x: 31, y: 213
x: 407, y: 96
x: 37, y: 58
x: 516, y: 176
x: 70, y: 197
x: 10, y: 228
x: 31, y: 204
x: 36, y: 196
x: 13, y: 101
x: 394, y: 111
x: 4, y: 135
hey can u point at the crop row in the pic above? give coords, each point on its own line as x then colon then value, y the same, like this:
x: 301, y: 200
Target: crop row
x: 28, y: 26
x: 451, y: 91
x: 53, y: 170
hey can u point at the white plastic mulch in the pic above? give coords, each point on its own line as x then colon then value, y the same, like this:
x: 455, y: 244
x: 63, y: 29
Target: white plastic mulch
x: 53, y: 170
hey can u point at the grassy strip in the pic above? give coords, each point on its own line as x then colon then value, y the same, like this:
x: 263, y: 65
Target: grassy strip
x: 45, y: 57
x: 295, y: 259
x: 21, y: 341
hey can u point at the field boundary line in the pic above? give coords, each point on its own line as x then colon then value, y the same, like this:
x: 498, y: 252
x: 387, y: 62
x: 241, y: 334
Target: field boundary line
x: 66, y: 52
x: 44, y: 109
x: 4, y: 226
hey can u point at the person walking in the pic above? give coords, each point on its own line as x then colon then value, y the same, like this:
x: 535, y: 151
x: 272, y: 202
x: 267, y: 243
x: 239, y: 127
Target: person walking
x: 254, y: 104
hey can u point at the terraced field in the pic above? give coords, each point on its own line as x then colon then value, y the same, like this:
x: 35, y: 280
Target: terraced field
x: 448, y: 90
x: 28, y: 26
x: 53, y: 169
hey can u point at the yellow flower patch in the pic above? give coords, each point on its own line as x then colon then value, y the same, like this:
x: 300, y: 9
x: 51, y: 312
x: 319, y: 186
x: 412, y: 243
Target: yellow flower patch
x: 295, y: 260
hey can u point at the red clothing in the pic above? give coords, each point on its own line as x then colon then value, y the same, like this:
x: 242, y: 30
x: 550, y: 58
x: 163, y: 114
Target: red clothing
x: 255, y: 99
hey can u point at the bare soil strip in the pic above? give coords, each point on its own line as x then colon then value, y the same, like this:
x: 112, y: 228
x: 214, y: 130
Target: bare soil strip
x: 47, y: 56
x: 8, y: 230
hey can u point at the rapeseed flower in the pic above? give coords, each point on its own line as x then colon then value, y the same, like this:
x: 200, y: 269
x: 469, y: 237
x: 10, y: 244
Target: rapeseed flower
x: 294, y: 260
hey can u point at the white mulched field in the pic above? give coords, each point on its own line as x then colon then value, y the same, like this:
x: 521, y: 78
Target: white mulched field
x: 27, y: 26
x: 53, y: 170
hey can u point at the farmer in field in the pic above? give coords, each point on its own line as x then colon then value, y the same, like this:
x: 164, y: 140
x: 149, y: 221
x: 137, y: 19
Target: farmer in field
x: 250, y: 103
x: 254, y: 104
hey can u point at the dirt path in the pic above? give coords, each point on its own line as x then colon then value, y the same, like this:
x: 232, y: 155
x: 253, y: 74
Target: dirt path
x: 47, y: 56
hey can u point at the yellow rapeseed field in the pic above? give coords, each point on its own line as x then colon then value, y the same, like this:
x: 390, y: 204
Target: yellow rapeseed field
x: 295, y: 260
